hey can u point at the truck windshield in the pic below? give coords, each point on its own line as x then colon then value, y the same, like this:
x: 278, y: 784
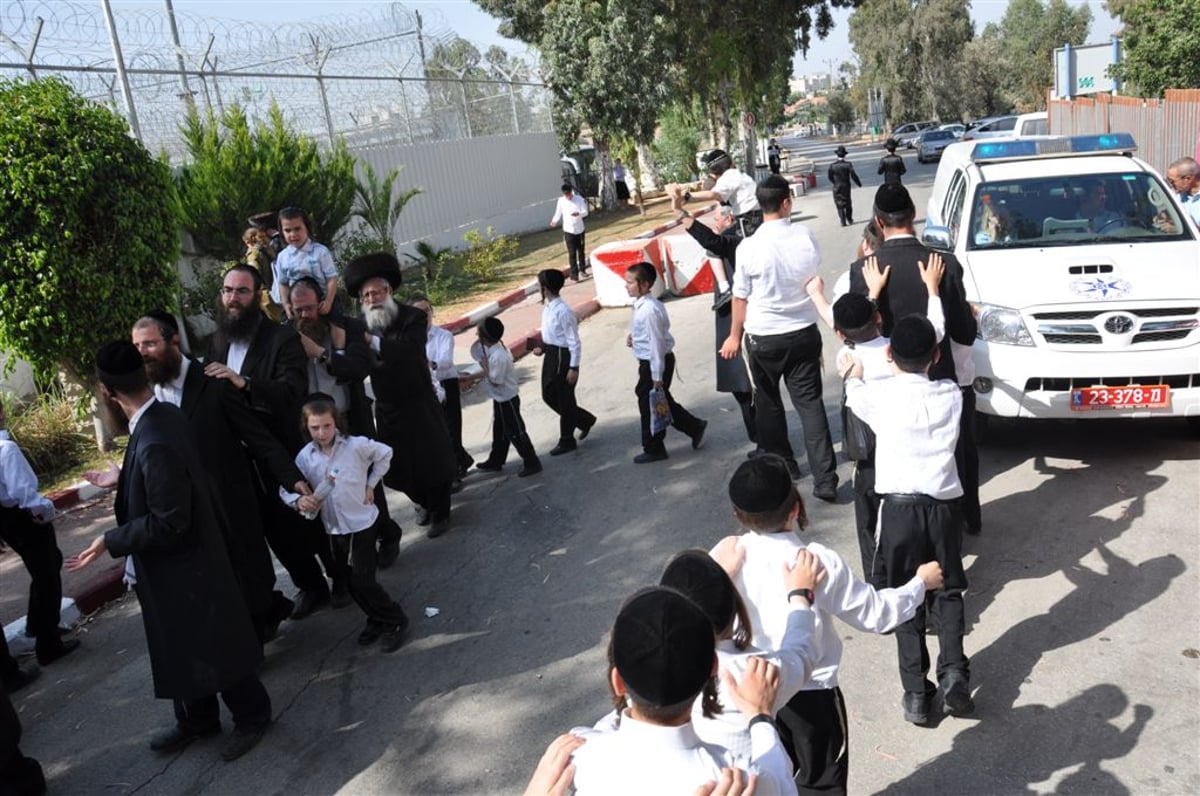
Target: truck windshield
x: 1067, y: 211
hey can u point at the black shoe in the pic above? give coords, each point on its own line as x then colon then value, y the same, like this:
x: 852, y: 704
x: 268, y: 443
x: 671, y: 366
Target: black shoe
x: 22, y: 678
x: 241, y: 741
x: 55, y: 648
x: 307, y: 602
x: 574, y: 277
x: 388, y: 553
x: 423, y: 518
x: 916, y: 707
x: 393, y: 637
x: 698, y: 437
x: 794, y: 469
x: 956, y: 696
x: 827, y: 493
x: 438, y: 528
x: 650, y: 456
x: 563, y: 447
x: 178, y: 737
x: 529, y: 469
x: 585, y: 430
x: 370, y: 634
x: 340, y: 597
x: 489, y: 467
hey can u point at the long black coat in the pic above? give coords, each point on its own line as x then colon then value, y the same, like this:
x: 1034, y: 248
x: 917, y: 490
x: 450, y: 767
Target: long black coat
x: 351, y: 369
x: 226, y: 432
x: 905, y: 294
x: 198, y: 631
x: 891, y: 166
x: 841, y: 174
x: 277, y: 368
x: 732, y: 375
x: 407, y: 411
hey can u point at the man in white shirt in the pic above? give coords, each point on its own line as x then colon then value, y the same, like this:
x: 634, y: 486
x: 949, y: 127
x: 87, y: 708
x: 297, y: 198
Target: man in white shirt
x: 916, y: 425
x: 439, y: 350
x: 773, y: 308
x: 571, y: 209
x: 732, y: 188
x: 26, y: 526
x: 562, y: 350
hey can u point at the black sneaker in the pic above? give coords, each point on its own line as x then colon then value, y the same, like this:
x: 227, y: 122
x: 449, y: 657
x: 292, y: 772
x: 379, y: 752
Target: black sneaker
x: 242, y: 740
x: 698, y: 437
x: 393, y: 638
x: 489, y: 467
x: 563, y: 447
x: 649, y: 456
x: 828, y: 493
x: 585, y: 430
x: 916, y: 707
x: 529, y: 469
x: 370, y: 634
x: 956, y: 696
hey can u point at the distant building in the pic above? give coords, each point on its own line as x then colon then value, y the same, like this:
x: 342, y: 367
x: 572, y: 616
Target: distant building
x: 809, y: 85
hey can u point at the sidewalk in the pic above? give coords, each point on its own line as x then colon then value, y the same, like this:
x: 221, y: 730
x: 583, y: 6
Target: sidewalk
x: 85, y: 512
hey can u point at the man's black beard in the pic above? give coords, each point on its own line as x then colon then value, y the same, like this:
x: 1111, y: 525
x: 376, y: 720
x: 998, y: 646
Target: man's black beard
x: 242, y: 326
x: 165, y: 370
x: 313, y: 328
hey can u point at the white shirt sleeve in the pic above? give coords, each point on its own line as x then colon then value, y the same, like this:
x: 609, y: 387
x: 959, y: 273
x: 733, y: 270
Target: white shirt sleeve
x: 499, y: 365
x: 658, y: 342
x: 570, y: 331
x: 859, y: 604
x: 378, y: 457
x: 773, y: 764
x: 796, y: 655
x: 936, y: 316
x: 19, y: 488
x: 580, y: 205
x: 558, y: 212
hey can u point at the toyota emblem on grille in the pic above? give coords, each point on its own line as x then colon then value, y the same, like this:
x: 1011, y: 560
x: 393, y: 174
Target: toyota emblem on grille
x: 1118, y: 324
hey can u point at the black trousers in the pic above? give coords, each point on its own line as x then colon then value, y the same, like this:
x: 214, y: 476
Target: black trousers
x: 559, y: 395
x: 866, y: 519
x: 297, y: 543
x: 845, y: 209
x: 452, y: 408
x: 915, y: 529
x: 18, y: 774
x: 575, y: 253
x: 681, y: 418
x: 814, y: 732
x: 38, y: 549
x: 794, y: 357
x: 248, y: 701
x: 966, y: 460
x: 508, y: 428
x: 355, y: 557
x: 389, y: 531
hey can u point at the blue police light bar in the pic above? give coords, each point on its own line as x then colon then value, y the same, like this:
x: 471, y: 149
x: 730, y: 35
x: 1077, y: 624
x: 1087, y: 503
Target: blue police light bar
x: 1021, y: 149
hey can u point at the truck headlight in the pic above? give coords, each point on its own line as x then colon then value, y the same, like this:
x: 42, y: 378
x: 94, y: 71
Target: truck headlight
x: 1001, y: 325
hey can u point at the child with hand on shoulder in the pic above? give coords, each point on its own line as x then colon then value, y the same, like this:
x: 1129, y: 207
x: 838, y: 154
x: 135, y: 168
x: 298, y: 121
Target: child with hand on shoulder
x: 500, y: 379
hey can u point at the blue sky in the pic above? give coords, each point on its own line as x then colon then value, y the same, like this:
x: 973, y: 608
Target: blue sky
x: 470, y: 22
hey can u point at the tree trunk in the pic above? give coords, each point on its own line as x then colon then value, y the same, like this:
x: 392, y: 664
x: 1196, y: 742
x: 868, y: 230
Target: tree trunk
x: 646, y: 161
x: 608, y: 186
x: 726, y: 123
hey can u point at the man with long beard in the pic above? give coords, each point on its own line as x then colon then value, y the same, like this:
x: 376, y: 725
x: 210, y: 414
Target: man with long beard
x: 409, y: 417
x: 339, y: 360
x: 225, y: 429
x: 266, y: 363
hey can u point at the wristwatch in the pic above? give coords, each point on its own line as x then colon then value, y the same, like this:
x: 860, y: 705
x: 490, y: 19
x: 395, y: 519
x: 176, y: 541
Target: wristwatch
x: 805, y: 593
x: 687, y: 196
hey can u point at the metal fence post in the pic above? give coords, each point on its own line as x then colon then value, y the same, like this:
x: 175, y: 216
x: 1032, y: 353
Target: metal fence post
x: 126, y: 91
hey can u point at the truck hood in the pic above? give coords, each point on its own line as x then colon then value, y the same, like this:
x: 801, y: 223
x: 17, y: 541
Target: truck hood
x: 1092, y: 274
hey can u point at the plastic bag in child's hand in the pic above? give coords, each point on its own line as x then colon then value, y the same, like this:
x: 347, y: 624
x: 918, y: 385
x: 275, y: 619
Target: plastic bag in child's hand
x: 660, y: 411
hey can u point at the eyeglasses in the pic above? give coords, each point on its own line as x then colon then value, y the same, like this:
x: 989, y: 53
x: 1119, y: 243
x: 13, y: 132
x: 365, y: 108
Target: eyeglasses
x: 236, y: 291
x: 371, y: 294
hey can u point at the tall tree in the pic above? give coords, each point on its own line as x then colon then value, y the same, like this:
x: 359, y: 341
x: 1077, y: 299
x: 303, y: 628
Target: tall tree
x: 981, y: 74
x: 1159, y: 44
x: 1029, y: 32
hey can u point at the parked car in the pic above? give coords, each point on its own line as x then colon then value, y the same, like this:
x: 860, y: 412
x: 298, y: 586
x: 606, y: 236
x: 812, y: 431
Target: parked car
x: 905, y: 133
x: 1084, y: 275
x: 1032, y: 124
x: 956, y: 127
x: 931, y: 144
x: 992, y: 128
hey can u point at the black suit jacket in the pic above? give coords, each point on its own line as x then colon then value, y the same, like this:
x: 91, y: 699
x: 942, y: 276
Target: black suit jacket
x: 275, y: 364
x: 905, y: 294
x: 198, y: 629
x: 351, y: 368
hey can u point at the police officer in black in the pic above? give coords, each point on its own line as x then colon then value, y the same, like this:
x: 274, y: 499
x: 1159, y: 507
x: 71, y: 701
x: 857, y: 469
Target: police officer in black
x: 891, y: 165
x: 841, y: 174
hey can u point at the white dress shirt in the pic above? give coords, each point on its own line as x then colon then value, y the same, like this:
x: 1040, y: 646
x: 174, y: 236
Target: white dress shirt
x: 172, y: 391
x: 356, y: 465
x: 795, y: 659
x: 18, y: 483
x: 873, y: 353
x: 915, y: 421
x: 560, y: 327
x: 650, y: 329
x: 439, y: 350
x: 501, y: 381
x: 638, y: 758
x: 738, y: 190
x: 237, y: 355
x: 840, y: 595
x: 565, y: 210
x: 773, y: 267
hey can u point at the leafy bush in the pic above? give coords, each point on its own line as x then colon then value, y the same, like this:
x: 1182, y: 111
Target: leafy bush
x: 49, y: 433
x: 485, y: 253
x: 236, y: 172
x: 89, y: 228
x: 677, y: 143
x: 378, y: 205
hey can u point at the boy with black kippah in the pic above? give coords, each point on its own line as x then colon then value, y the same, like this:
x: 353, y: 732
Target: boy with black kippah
x: 560, y: 368
x: 916, y: 425
x: 500, y: 378
x: 812, y: 726
x: 662, y: 657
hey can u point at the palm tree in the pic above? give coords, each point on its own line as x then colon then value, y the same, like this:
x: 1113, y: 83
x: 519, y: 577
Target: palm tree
x: 376, y: 206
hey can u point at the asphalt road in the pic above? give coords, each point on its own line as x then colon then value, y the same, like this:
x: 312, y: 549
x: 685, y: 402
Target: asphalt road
x: 1081, y: 611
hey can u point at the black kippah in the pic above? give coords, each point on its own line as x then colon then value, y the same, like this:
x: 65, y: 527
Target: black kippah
x: 493, y: 328
x: 118, y: 358
x: 761, y: 484
x: 552, y: 278
x: 913, y: 337
x: 893, y: 198
x: 695, y: 575
x: 165, y: 318
x: 663, y: 646
x: 851, y: 312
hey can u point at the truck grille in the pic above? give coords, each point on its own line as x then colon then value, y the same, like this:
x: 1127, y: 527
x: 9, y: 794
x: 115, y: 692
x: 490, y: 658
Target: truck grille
x: 1123, y: 326
x: 1060, y: 384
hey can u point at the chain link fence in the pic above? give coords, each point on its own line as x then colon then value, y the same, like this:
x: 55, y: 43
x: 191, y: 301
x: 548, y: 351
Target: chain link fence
x: 388, y: 75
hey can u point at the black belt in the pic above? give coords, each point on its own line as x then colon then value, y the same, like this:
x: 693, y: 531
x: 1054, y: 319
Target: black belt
x: 917, y: 498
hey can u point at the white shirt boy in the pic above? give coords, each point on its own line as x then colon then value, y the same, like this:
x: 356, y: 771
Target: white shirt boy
x: 560, y: 327
x: 650, y: 330
x: 18, y: 483
x: 501, y: 382
x: 357, y: 464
